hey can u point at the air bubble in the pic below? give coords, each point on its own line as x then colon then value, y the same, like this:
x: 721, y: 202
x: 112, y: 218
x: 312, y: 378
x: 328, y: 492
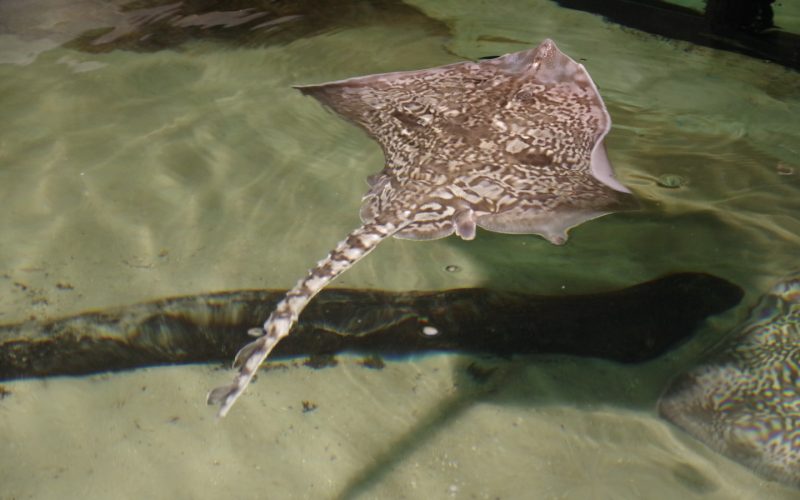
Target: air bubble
x: 430, y: 331
x: 671, y: 181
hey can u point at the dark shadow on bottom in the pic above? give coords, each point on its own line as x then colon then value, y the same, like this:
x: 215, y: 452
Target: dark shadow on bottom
x: 630, y: 325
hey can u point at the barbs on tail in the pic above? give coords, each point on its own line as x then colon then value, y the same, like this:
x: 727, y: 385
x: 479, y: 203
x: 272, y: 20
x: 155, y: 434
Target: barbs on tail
x: 349, y: 251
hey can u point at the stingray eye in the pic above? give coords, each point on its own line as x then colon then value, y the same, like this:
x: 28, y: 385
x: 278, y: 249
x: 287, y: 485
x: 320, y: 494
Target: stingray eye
x: 524, y: 95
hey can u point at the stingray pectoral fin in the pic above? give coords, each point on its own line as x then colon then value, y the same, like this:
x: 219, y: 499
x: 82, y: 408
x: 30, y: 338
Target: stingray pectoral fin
x: 355, y: 99
x: 553, y: 230
x: 603, y: 171
x: 553, y: 224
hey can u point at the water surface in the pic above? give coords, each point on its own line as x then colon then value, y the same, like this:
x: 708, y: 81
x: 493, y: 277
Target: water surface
x: 191, y: 165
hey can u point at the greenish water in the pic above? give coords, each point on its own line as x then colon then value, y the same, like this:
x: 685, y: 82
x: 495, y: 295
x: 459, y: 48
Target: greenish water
x: 128, y: 175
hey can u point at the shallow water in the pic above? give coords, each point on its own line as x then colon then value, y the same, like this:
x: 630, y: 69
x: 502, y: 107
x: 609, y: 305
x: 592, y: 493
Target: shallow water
x: 129, y: 175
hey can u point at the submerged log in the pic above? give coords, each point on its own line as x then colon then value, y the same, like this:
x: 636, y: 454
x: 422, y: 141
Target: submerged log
x: 632, y: 325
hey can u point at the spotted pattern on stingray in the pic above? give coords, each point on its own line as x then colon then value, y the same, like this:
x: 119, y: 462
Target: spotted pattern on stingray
x: 512, y: 144
x: 745, y: 401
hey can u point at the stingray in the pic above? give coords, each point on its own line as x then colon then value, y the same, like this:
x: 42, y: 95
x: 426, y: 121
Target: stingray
x: 744, y: 402
x: 512, y: 144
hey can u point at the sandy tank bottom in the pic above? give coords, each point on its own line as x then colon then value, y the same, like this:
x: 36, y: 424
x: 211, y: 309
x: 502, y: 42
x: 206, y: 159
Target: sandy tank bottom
x: 134, y: 176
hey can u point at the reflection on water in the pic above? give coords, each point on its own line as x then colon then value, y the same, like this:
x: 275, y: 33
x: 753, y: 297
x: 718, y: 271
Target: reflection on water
x: 100, y: 26
x: 185, y: 163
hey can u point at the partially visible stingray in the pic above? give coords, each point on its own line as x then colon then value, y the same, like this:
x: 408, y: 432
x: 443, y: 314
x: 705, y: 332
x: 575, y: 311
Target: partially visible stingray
x: 512, y: 144
x: 745, y: 401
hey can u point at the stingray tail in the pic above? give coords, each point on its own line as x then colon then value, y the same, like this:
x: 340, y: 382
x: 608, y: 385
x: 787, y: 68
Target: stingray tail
x: 349, y: 251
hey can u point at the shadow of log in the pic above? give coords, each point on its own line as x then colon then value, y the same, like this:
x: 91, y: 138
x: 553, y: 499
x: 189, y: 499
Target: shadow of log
x: 631, y: 325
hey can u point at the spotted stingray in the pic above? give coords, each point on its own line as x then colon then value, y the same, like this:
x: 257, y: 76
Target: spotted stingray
x: 512, y: 144
x: 745, y: 401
